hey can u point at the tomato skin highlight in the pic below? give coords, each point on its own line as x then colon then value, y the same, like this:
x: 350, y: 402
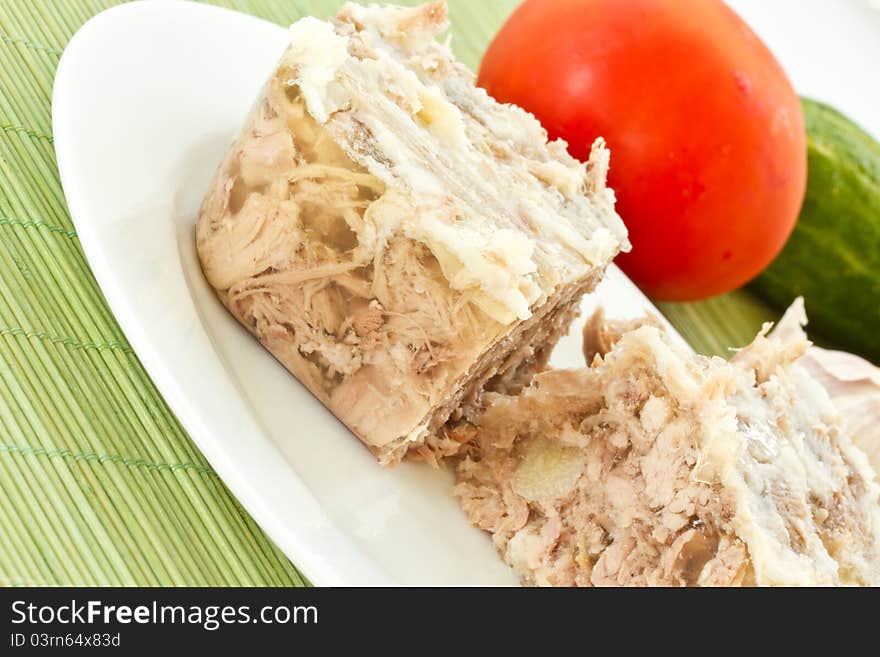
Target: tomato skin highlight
x: 708, y: 150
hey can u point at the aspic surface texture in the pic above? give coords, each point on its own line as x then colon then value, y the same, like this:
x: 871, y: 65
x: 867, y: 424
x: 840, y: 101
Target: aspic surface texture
x: 397, y: 239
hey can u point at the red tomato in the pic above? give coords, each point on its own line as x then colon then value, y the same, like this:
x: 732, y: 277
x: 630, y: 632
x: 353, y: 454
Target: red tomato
x: 708, y: 151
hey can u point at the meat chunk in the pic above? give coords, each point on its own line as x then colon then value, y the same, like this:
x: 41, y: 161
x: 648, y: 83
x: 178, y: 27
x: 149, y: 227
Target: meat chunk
x: 397, y: 239
x: 658, y: 467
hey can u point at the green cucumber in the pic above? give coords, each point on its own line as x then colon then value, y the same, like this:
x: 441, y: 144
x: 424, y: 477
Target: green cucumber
x: 832, y: 258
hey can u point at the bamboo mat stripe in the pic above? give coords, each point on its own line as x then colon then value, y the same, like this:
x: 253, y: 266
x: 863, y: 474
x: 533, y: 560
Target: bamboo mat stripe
x: 99, y: 484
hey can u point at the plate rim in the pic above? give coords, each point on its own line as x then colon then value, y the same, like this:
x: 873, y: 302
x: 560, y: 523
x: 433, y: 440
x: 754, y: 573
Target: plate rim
x: 298, y: 545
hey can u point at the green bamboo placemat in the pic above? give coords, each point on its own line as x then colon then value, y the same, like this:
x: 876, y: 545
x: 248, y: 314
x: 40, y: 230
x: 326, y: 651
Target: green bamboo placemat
x: 99, y: 484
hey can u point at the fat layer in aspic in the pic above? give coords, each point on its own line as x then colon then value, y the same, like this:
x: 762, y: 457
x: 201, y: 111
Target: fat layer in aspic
x: 661, y: 468
x: 396, y: 238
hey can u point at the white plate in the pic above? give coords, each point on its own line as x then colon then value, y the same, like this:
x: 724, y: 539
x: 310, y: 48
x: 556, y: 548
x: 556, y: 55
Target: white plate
x: 147, y: 97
